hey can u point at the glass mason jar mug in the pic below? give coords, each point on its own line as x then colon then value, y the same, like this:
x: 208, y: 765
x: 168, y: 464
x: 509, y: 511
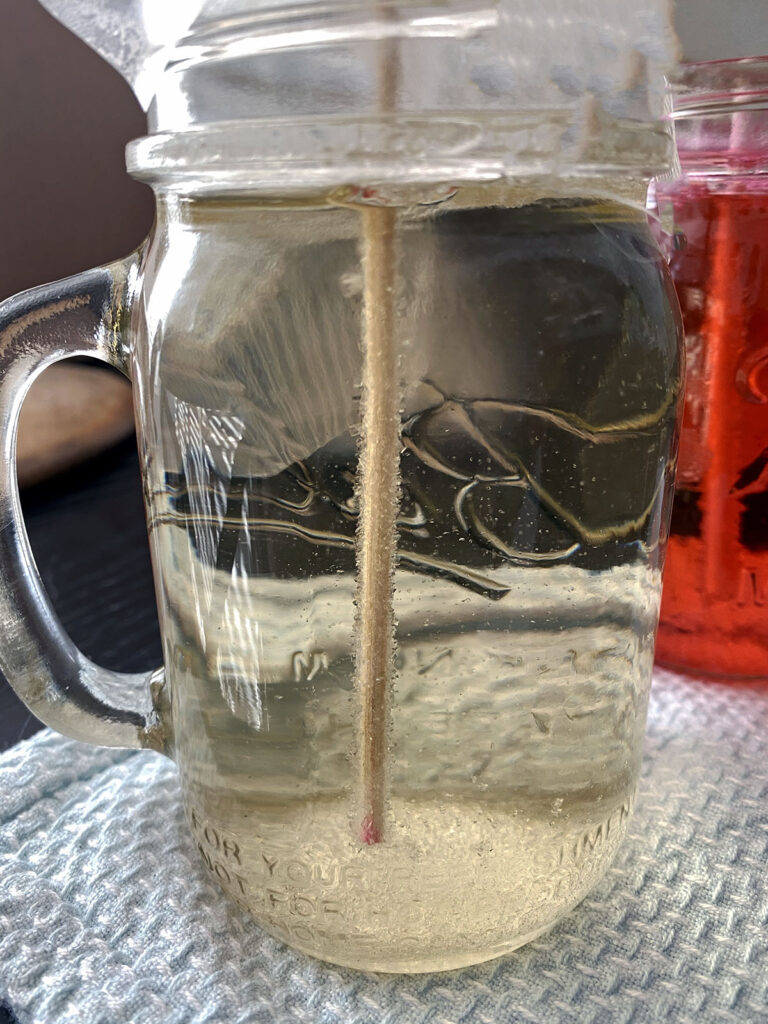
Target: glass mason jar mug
x: 407, y: 426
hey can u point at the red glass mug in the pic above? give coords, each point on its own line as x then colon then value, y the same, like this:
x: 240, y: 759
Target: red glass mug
x: 713, y: 616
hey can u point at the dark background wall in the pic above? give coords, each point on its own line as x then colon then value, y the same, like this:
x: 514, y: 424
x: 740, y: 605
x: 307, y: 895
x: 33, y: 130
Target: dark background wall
x: 66, y: 202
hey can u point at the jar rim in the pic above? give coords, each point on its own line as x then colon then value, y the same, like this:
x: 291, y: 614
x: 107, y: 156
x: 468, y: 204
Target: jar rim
x: 709, y: 88
x: 308, y: 153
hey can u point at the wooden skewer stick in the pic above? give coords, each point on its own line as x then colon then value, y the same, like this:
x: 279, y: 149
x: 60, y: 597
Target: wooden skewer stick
x: 379, y: 485
x: 379, y: 501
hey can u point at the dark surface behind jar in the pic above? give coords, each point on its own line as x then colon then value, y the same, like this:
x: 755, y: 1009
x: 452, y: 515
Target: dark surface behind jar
x: 67, y: 204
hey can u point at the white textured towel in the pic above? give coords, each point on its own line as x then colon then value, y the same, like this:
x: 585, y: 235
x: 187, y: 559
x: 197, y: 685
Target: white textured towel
x: 107, y: 915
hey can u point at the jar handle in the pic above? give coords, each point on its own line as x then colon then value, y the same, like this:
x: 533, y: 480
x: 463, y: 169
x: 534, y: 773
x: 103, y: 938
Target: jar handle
x: 85, y: 315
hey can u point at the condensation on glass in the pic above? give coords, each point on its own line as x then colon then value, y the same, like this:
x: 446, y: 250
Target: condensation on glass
x: 407, y: 366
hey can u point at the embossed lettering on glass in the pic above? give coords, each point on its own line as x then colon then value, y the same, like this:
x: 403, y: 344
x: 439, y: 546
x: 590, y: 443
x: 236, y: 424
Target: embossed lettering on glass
x: 406, y: 363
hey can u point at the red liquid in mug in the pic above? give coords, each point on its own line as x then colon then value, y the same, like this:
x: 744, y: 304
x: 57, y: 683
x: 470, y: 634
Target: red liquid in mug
x: 714, y: 615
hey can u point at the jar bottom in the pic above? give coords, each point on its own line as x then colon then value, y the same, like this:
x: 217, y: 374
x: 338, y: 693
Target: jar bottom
x: 718, y: 630
x: 434, y: 963
x: 711, y: 654
x: 455, y: 882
